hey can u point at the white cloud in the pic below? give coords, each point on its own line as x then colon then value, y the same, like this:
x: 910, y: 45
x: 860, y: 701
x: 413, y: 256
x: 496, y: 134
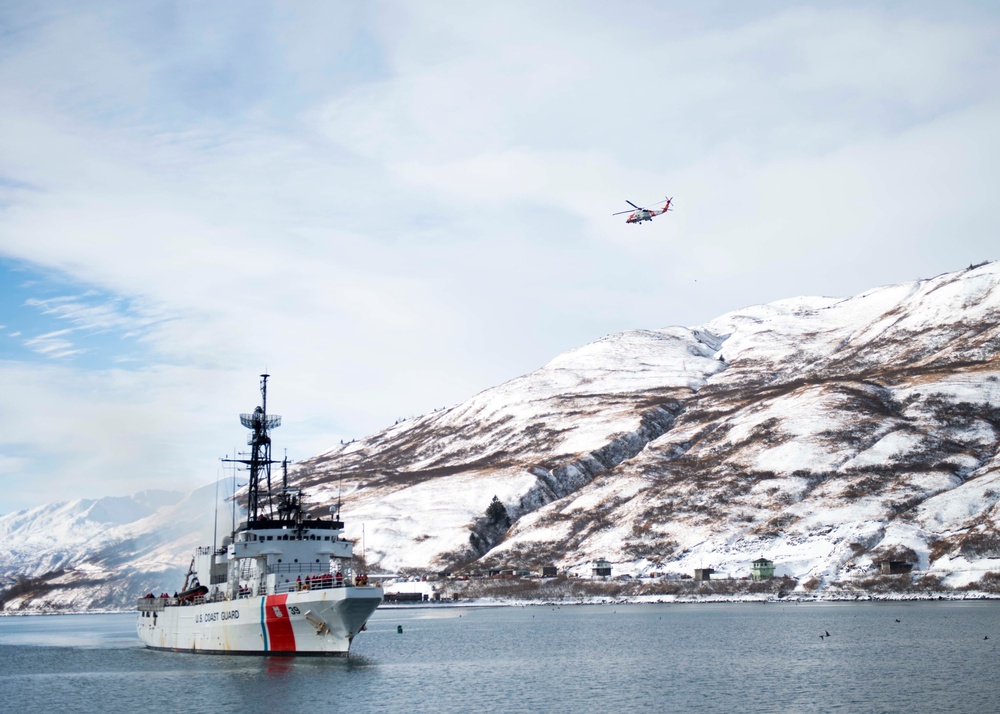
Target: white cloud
x: 53, y: 344
x: 392, y: 207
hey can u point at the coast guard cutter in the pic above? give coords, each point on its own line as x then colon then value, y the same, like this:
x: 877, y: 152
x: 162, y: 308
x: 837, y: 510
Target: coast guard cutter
x: 282, y: 584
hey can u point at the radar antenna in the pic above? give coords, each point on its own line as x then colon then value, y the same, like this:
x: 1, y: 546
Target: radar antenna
x: 259, y: 464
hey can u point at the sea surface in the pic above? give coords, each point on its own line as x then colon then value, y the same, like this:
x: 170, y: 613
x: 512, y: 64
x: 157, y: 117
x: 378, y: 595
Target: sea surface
x: 878, y: 657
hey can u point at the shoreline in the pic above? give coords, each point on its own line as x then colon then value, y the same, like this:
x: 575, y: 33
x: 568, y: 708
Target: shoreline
x: 701, y: 600
x: 976, y: 596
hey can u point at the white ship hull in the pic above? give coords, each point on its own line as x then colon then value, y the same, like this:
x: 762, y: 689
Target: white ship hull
x: 317, y: 622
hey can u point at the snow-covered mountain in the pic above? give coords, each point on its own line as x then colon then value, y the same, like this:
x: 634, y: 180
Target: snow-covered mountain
x: 103, y: 553
x: 825, y: 434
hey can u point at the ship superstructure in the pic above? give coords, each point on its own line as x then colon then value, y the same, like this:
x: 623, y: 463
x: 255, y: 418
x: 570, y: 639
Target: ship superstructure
x: 283, y: 582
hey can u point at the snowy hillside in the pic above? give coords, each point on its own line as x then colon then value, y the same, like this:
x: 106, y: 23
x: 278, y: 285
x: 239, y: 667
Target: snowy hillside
x: 825, y: 434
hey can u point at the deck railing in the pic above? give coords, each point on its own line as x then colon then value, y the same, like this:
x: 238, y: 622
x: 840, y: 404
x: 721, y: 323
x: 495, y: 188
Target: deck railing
x: 321, y: 583
x: 155, y: 604
x: 305, y: 574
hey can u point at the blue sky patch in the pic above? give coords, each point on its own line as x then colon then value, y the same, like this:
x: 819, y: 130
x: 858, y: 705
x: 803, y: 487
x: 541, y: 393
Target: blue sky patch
x: 46, y: 317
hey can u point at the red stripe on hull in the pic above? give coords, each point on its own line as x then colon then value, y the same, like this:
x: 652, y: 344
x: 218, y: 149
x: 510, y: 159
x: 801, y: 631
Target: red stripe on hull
x: 280, y: 636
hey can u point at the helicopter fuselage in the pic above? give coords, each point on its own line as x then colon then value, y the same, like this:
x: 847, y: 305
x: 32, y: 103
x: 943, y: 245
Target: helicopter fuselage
x: 641, y: 214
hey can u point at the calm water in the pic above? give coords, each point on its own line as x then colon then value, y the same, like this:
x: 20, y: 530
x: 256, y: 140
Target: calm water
x: 610, y: 658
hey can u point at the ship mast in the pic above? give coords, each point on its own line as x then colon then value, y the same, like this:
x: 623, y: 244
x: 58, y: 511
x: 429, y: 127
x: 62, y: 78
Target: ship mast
x: 259, y: 464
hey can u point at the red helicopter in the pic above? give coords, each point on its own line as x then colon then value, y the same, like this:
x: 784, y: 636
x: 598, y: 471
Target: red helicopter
x: 644, y: 214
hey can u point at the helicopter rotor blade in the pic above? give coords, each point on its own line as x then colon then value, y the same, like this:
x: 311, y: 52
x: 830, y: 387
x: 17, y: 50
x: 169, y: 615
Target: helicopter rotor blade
x: 632, y: 205
x: 621, y: 212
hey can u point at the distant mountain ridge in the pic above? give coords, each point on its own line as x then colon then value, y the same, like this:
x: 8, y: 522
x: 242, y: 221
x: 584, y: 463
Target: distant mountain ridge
x: 101, y: 553
x: 826, y: 434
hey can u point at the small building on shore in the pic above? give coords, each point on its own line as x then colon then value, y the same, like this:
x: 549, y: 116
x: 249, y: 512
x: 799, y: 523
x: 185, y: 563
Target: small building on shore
x: 404, y: 597
x: 762, y: 569
x: 602, y: 568
x: 703, y: 574
x: 896, y: 567
x: 549, y: 571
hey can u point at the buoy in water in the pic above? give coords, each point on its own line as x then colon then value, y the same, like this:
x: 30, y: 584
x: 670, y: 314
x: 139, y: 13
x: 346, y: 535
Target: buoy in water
x: 399, y: 629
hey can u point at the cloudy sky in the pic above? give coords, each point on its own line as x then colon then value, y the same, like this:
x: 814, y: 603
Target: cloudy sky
x: 391, y: 206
